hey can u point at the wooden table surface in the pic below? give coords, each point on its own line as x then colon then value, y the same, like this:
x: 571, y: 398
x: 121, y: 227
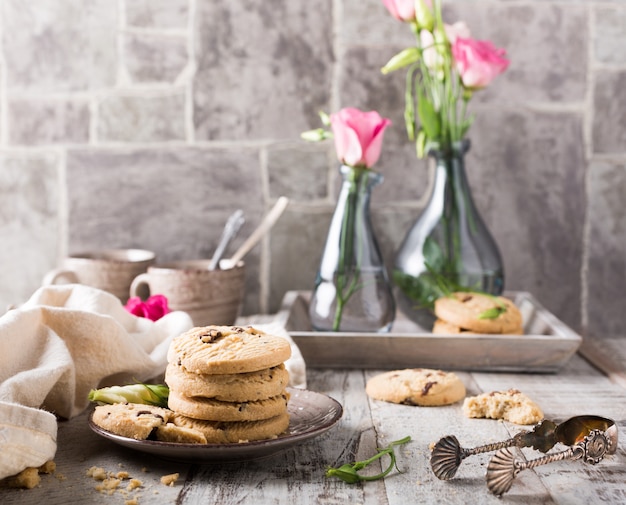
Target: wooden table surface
x: 297, y: 475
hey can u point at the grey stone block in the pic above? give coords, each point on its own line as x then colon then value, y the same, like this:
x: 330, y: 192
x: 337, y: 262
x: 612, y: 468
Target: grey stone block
x: 161, y: 14
x: 606, y: 268
x: 60, y: 46
x: 298, y: 170
x: 609, y: 121
x: 37, y: 122
x: 609, y: 30
x: 155, y: 58
x: 142, y: 117
x: 263, y: 69
x: 29, y: 223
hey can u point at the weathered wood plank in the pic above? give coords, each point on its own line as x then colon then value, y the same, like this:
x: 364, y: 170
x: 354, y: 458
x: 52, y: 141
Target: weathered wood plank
x: 297, y: 475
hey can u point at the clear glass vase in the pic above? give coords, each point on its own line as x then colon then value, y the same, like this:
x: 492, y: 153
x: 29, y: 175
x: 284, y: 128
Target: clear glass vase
x: 449, y: 245
x: 352, y: 291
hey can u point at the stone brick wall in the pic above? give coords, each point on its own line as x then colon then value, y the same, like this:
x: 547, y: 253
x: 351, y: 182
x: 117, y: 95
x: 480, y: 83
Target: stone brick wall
x: 145, y: 123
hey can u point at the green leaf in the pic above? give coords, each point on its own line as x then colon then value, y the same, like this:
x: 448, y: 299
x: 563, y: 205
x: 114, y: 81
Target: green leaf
x: 345, y: 472
x: 428, y: 115
x: 403, y: 59
x: 492, y: 313
x: 434, y: 257
x: 146, y: 394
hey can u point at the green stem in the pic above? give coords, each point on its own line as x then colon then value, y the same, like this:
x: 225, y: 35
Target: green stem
x: 349, y: 229
x: 348, y: 472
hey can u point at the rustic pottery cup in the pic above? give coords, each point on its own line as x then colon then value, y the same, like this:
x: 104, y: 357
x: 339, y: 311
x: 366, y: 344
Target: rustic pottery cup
x: 111, y: 270
x: 210, y: 297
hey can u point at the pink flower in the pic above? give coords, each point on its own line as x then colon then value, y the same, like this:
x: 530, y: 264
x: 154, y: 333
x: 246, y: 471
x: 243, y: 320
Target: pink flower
x: 478, y: 61
x: 458, y: 29
x: 432, y: 53
x: 419, y: 11
x: 402, y: 10
x: 154, y: 308
x: 358, y: 136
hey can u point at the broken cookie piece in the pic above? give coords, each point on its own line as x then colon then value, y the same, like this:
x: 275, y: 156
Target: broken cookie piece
x: 511, y: 405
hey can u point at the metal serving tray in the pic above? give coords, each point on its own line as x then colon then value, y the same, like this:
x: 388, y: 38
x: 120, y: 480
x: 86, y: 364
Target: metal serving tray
x: 545, y: 347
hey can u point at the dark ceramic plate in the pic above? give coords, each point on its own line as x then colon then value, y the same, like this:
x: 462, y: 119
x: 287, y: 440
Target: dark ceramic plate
x: 311, y: 414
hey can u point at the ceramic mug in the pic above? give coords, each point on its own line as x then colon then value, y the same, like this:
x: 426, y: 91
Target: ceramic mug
x: 210, y: 297
x: 111, y: 270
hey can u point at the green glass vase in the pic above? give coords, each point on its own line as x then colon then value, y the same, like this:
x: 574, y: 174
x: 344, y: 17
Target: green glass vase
x: 448, y: 246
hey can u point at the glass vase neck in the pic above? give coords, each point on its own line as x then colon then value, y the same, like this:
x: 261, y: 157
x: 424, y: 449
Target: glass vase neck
x: 455, y: 149
x: 368, y: 177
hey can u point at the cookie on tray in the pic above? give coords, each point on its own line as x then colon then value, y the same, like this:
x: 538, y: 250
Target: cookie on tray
x: 480, y: 313
x: 249, y: 386
x: 511, y: 405
x: 217, y: 432
x: 227, y: 350
x: 214, y: 410
x: 416, y: 386
x: 441, y: 327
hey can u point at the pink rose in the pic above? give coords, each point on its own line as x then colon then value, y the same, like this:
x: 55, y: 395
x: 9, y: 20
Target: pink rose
x: 478, y: 61
x: 358, y: 136
x: 154, y: 308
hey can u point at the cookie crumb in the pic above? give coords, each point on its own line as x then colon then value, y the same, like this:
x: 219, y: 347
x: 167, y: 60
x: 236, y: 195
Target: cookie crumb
x: 170, y: 480
x: 108, y: 485
x: 48, y: 467
x: 26, y: 479
x: 97, y: 473
x: 134, y: 484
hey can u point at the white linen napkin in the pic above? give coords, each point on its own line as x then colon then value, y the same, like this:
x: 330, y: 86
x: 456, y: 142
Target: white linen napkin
x: 61, y: 343
x: 67, y: 340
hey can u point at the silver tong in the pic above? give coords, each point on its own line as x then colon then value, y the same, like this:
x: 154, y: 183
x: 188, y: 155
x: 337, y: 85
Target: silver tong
x: 589, y: 438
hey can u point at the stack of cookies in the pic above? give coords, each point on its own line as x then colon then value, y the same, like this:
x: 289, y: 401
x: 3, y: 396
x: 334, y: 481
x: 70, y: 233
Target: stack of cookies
x: 228, y: 382
x: 469, y: 312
